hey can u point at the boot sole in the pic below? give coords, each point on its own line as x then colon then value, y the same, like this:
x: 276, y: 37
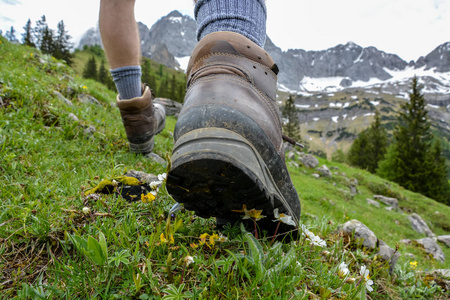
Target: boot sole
x: 215, y: 171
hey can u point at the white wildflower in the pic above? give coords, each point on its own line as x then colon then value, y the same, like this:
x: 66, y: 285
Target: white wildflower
x: 343, y: 270
x: 162, y: 176
x: 364, y: 272
x: 283, y: 218
x: 86, y: 210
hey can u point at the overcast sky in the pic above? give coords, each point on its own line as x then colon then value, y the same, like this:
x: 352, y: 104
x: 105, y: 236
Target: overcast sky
x: 408, y: 28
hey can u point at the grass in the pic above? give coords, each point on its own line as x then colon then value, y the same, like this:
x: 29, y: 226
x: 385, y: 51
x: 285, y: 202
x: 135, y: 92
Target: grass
x: 50, y: 248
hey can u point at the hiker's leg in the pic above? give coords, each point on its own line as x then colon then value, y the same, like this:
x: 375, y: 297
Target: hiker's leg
x: 120, y: 37
x: 246, y: 17
x: 142, y: 118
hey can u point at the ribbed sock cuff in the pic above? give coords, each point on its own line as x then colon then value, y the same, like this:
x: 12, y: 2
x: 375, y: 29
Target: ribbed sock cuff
x: 246, y: 17
x: 128, y: 81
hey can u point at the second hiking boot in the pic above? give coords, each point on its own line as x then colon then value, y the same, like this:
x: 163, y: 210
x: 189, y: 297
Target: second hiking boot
x: 228, y: 148
x: 142, y: 120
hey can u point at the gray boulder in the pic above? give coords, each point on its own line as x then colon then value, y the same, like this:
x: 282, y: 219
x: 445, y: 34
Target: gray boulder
x: 309, y: 161
x: 324, y: 171
x: 432, y: 248
x: 362, y: 232
x: 444, y: 239
x: 88, y: 99
x: 172, y: 107
x: 387, y: 253
x: 373, y: 202
x: 62, y: 98
x: 419, y: 225
x: 388, y: 201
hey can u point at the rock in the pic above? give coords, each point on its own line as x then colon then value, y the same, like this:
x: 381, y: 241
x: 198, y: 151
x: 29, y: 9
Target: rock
x: 432, y: 248
x: 156, y: 158
x: 294, y: 164
x: 172, y: 107
x: 387, y: 253
x: 361, y: 232
x: 353, y: 181
x: 88, y: 99
x: 419, y: 225
x: 405, y: 241
x: 62, y: 98
x: 324, y: 171
x: 353, y: 189
x: 73, y: 117
x: 290, y: 155
x: 444, y: 239
x: 142, y: 176
x: 315, y: 175
x: 386, y: 200
x: 388, y: 208
x: 309, y: 161
x: 89, y: 130
x: 373, y: 202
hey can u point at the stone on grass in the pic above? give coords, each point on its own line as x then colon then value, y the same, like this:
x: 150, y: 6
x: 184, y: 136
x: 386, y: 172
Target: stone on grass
x: 315, y: 175
x: 172, y: 107
x: 294, y: 164
x: 62, y: 98
x: 309, y: 161
x: 88, y: 99
x: 290, y: 155
x: 155, y: 157
x: 142, y: 176
x: 373, y: 202
x: 361, y: 231
x: 89, y: 130
x: 386, y: 200
x: 324, y: 171
x: 419, y: 225
x: 73, y: 117
x: 444, y: 239
x: 387, y: 253
x: 432, y: 248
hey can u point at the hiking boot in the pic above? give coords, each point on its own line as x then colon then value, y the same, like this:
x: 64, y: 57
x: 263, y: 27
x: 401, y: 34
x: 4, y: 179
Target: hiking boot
x: 228, y: 148
x: 142, y: 120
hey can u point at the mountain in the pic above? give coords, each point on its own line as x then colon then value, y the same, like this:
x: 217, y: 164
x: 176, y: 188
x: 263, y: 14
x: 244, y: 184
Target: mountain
x: 173, y: 37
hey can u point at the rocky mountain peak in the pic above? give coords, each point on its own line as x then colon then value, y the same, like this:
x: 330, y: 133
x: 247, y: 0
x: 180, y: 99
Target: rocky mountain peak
x: 439, y: 59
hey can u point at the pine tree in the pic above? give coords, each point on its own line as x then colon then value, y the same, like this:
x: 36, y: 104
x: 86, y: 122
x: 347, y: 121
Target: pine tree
x: 291, y: 127
x: 146, y: 71
x: 44, y: 36
x: 90, y: 70
x: 11, y: 35
x: 173, y: 88
x: 370, y: 146
x: 411, y: 160
x: 27, y: 36
x: 62, y: 44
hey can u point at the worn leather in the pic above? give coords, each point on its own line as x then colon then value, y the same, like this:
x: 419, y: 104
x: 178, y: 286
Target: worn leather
x: 227, y: 69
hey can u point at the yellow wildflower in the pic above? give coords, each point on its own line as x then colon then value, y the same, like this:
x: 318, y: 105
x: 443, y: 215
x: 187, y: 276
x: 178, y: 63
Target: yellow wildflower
x: 84, y: 87
x: 194, y: 245
x: 164, y: 240
x: 250, y: 214
x: 212, y: 239
x: 203, y: 238
x: 147, y: 198
x: 413, y: 265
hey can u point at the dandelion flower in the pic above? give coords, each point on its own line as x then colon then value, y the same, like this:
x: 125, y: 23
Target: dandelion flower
x: 84, y: 87
x: 413, y: 265
x: 188, y: 260
x: 343, y: 270
x: 147, y: 198
x: 283, y: 218
x: 364, y: 272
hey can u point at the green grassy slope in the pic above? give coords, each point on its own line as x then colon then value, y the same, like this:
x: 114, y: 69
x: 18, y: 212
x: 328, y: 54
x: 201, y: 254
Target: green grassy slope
x: 50, y: 249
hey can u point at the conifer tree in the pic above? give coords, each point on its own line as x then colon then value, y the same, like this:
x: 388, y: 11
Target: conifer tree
x: 291, y: 127
x: 173, y: 88
x: 44, y: 36
x: 90, y: 70
x: 27, y: 36
x: 370, y: 146
x: 11, y: 35
x: 62, y: 44
x: 411, y: 160
x: 146, y: 71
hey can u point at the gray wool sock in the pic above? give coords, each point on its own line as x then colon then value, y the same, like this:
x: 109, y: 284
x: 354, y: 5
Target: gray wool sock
x: 128, y: 81
x: 246, y: 17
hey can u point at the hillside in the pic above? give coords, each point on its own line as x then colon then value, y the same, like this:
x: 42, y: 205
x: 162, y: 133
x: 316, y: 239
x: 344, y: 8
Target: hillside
x: 61, y: 135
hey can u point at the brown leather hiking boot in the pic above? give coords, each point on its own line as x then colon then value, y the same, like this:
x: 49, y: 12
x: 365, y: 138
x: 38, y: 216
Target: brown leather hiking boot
x: 228, y: 148
x: 142, y: 120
